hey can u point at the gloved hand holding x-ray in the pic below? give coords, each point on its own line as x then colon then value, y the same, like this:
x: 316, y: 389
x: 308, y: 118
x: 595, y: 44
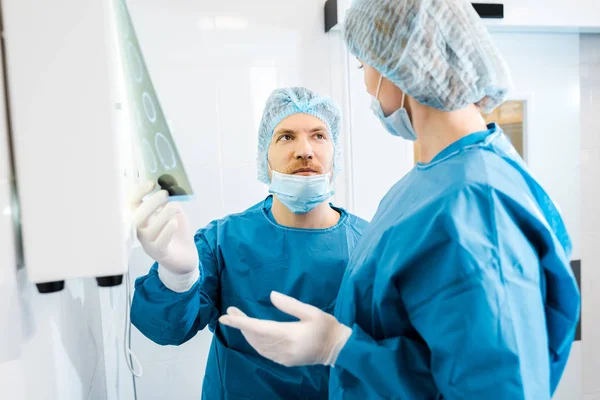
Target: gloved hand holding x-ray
x: 165, y: 233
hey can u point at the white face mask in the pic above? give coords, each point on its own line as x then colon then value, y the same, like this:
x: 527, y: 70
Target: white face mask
x: 398, y: 123
x: 300, y: 194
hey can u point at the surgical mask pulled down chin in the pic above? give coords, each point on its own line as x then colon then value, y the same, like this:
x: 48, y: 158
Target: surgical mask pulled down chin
x: 300, y: 194
x: 397, y: 123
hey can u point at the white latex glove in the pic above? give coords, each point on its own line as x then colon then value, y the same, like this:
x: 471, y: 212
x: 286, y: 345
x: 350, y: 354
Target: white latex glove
x: 165, y: 233
x: 317, y: 338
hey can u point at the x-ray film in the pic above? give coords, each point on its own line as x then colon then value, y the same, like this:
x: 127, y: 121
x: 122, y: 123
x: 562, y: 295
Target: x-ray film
x: 152, y: 138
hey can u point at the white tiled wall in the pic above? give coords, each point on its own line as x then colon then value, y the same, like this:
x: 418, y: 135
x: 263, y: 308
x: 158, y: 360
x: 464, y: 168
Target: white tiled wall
x: 590, y: 206
x: 52, y: 345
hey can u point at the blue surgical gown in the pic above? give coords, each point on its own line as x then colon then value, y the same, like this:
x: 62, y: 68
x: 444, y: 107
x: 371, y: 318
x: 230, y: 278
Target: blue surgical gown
x: 243, y: 258
x: 461, y: 286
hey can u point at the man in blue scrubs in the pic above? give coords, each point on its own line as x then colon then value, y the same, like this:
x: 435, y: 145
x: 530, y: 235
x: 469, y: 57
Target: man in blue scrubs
x: 461, y: 286
x: 293, y: 241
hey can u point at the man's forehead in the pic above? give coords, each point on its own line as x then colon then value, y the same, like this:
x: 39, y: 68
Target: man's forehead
x: 301, y: 122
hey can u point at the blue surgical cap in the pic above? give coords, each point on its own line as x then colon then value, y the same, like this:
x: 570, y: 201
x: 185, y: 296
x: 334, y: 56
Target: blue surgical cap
x: 436, y: 51
x: 297, y: 100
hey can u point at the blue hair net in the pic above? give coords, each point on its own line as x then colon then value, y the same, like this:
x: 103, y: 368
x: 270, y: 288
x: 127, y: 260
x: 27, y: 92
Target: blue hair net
x: 436, y: 51
x: 288, y: 101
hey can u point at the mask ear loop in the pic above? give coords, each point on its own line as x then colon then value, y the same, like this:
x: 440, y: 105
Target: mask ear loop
x: 270, y: 169
x: 378, y: 86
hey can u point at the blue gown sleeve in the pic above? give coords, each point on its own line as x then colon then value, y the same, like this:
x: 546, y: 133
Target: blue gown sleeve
x: 170, y: 318
x: 475, y: 298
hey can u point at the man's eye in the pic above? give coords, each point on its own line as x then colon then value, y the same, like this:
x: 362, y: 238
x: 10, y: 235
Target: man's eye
x: 285, y: 137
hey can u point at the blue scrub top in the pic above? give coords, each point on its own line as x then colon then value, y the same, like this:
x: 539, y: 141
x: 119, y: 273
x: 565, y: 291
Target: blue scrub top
x: 461, y: 286
x: 243, y: 258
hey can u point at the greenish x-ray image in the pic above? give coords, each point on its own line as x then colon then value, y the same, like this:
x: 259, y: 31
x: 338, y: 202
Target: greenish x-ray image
x: 161, y: 161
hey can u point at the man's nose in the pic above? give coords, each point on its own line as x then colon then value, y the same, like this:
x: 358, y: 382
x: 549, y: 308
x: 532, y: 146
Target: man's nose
x: 303, y: 150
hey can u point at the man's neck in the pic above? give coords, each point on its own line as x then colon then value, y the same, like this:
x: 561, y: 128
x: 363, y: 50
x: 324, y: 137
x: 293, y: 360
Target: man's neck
x: 438, y: 130
x: 320, y: 217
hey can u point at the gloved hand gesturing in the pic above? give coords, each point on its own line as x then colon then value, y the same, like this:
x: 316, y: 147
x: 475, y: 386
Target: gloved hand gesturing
x: 164, y: 231
x: 317, y: 338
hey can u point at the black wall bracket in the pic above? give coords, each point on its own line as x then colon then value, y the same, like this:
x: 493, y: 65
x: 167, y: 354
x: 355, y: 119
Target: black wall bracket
x: 484, y: 10
x: 576, y: 267
x: 489, y: 10
x: 331, y: 14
